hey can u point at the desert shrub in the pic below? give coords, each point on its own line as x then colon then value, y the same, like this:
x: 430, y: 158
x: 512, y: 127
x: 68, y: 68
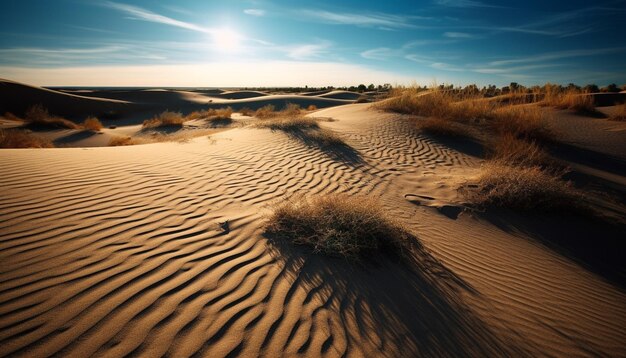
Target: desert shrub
x: 527, y: 122
x: 291, y: 109
x: 288, y: 123
x: 12, y: 117
x: 444, y: 127
x: 18, y: 138
x: 121, y: 141
x: 246, y: 112
x: 427, y: 104
x: 525, y: 189
x: 619, y: 114
x: 355, y: 228
x: 507, y: 149
x: 38, y: 115
x: 265, y: 112
x: 304, y: 128
x: 311, y: 107
x: 165, y: 119
x: 92, y: 123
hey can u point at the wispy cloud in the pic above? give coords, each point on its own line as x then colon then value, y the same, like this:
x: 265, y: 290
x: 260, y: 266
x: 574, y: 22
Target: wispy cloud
x: 459, y: 35
x: 549, y: 56
x: 308, y: 51
x: 380, y: 20
x: 254, y: 12
x: 380, y: 53
x: 147, y: 15
x: 464, y: 3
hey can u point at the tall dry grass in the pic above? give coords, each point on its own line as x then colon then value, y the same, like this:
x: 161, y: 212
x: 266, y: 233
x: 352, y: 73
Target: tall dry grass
x: 92, y: 124
x: 19, y: 138
x: 355, y: 228
x: 165, y: 119
x: 619, y: 114
x: 39, y: 116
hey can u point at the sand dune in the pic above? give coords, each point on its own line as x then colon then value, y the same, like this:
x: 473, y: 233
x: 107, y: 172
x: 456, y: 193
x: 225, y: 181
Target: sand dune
x: 118, y: 251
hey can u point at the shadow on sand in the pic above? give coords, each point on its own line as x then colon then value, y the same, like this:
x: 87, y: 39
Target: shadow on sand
x: 388, y: 308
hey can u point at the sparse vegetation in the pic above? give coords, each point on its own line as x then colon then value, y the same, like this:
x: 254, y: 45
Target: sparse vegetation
x: 620, y: 113
x: 526, y: 189
x: 438, y: 126
x: 157, y: 137
x: 39, y: 116
x: 246, y: 112
x: 573, y: 98
x: 165, y: 119
x: 355, y: 228
x: 311, y: 107
x: 92, y: 124
x: 307, y: 129
x: 265, y: 112
x: 507, y: 149
x: 527, y: 122
x: 19, y: 138
x: 121, y: 141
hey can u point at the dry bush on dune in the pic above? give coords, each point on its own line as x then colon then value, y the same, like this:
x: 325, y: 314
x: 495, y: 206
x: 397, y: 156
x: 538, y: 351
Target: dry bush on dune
x: 38, y: 115
x: 311, y: 108
x: 573, y: 99
x: 528, y: 122
x: 507, y: 149
x: 246, y: 112
x: 92, y: 124
x: 302, y: 127
x: 165, y: 119
x: 620, y: 113
x: 525, y: 189
x: 12, y: 117
x: 444, y: 127
x: 355, y: 228
x: 265, y: 112
x: 18, y: 138
x: 121, y: 141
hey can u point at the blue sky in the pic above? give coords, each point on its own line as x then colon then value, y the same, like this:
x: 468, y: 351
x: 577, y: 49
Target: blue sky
x: 289, y: 43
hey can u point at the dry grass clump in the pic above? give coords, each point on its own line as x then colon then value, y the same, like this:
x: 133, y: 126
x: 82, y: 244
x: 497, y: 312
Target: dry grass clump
x: 525, y: 189
x: 92, y: 124
x: 38, y: 115
x: 427, y: 104
x: 303, y: 128
x: 507, y: 149
x: 444, y: 127
x: 12, y: 117
x: 619, y: 114
x: 246, y: 112
x: 572, y: 99
x: 527, y: 122
x: 355, y: 228
x: 18, y: 138
x: 165, y: 119
x: 311, y: 108
x: 267, y: 111
x: 122, y: 141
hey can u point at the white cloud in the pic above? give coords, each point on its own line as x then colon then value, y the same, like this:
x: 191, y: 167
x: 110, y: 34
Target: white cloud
x: 382, y: 20
x: 464, y: 3
x: 254, y: 12
x: 458, y: 35
x: 381, y: 53
x: 308, y: 51
x: 218, y: 74
x: 559, y: 55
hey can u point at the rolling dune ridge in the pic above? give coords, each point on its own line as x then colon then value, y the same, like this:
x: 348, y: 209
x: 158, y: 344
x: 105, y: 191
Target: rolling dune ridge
x: 159, y: 250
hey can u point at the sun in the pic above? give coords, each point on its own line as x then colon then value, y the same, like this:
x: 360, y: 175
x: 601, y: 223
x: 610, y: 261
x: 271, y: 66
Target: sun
x: 226, y: 39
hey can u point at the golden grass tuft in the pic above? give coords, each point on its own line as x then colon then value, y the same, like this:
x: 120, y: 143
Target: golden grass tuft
x: 572, y: 99
x: 246, y: 112
x: 12, y: 117
x: 619, y: 114
x: 507, y: 149
x: 38, y: 115
x: 122, y: 141
x: 311, y: 107
x: 92, y: 124
x: 525, y: 189
x: 267, y: 111
x: 19, y: 138
x: 444, y: 127
x: 527, y: 122
x: 355, y: 228
x: 165, y: 119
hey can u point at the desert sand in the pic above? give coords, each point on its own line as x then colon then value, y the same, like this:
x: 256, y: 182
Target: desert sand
x: 158, y: 249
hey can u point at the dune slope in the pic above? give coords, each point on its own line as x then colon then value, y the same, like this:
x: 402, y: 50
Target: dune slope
x: 159, y: 249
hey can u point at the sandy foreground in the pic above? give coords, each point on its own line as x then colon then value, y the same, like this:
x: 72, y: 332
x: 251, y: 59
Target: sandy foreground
x: 158, y: 250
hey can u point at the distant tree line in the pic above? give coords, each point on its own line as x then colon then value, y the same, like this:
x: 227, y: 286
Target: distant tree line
x: 487, y: 91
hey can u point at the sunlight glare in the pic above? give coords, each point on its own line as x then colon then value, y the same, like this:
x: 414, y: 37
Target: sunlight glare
x: 226, y: 40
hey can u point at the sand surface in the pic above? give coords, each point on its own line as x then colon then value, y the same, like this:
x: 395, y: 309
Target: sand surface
x: 123, y: 250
